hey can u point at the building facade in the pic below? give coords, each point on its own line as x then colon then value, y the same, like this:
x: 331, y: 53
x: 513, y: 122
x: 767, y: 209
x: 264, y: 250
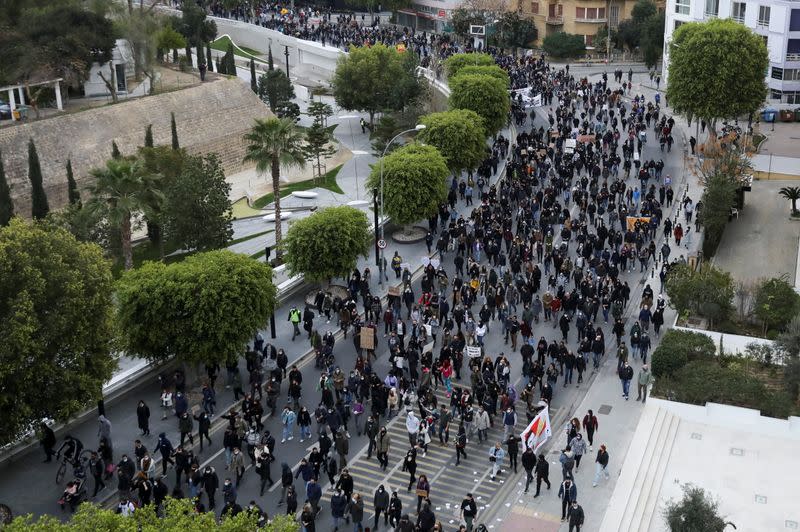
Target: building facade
x: 427, y: 15
x: 776, y: 21
x: 579, y: 17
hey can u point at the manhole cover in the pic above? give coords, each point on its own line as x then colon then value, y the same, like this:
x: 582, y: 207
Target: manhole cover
x: 604, y: 409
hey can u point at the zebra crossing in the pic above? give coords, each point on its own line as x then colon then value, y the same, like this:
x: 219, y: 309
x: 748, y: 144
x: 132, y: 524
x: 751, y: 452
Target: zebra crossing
x: 448, y: 483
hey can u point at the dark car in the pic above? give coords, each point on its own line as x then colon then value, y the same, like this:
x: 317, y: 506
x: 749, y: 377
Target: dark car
x: 5, y: 110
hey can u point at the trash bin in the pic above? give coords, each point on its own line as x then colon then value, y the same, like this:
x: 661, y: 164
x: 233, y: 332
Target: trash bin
x: 797, y: 115
x: 768, y: 115
x: 787, y: 115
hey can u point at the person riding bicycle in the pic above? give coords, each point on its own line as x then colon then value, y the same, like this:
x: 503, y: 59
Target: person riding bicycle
x: 72, y: 448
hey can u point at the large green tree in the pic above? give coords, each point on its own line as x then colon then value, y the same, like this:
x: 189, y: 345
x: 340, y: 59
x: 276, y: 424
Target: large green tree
x: 121, y: 189
x: 201, y: 310
x: 564, y: 45
x: 706, y: 292
x: 375, y: 79
x: 456, y: 62
x: 716, y: 70
x: 327, y: 244
x: 652, y: 39
x: 776, y: 303
x: 458, y: 135
x: 514, y: 31
x: 415, y: 182
x: 55, y: 325
x: 484, y: 70
x: 272, y: 143
x: 197, y: 211
x: 6, y: 204
x: 695, y: 512
x: 39, y: 204
x: 486, y: 95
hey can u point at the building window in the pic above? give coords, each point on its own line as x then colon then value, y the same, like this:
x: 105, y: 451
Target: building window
x: 682, y: 7
x: 580, y: 12
x: 614, y: 12
x: 712, y: 8
x: 790, y: 74
x: 737, y: 11
x: 535, y: 8
x: 678, y: 24
x: 588, y: 39
x: 792, y: 97
x: 794, y: 21
x: 776, y: 94
x: 763, y: 15
x: 777, y: 73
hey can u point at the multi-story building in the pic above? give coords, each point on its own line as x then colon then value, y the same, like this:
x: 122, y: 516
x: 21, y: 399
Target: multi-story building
x: 580, y: 17
x: 776, y: 21
x: 427, y: 15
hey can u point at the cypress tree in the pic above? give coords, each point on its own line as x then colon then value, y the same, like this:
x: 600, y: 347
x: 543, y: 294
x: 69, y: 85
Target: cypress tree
x: 229, y: 61
x: 148, y: 136
x: 115, y: 153
x: 175, y: 55
x: 39, y: 206
x: 200, y: 54
x: 209, y: 60
x: 188, y: 54
x: 72, y: 187
x: 270, y: 63
x: 253, y: 84
x: 174, y: 129
x: 219, y: 67
x: 6, y: 205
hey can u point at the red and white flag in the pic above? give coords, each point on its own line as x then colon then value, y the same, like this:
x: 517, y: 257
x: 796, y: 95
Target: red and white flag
x: 538, y: 431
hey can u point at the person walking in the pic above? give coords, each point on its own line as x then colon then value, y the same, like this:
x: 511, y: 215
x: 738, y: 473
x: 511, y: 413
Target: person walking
x: 237, y: 465
x: 496, y: 456
x: 528, y: 463
x: 383, y: 444
x: 338, y: 508
x: 185, y: 425
x: 469, y: 509
x: 97, y: 468
x: 357, y: 512
x: 423, y: 490
x: 512, y: 447
x: 143, y: 418
x: 412, y: 426
x: 166, y: 448
x: 568, y: 493
x: 47, y: 439
x: 288, y: 419
x: 643, y: 382
x: 625, y: 376
x: 600, y: 465
x: 295, y: 317
x: 591, y: 425
x: 461, y: 443
x: 381, y: 503
x: 210, y: 483
x: 578, y: 445
x: 410, y: 465
x: 542, y: 474
x: 575, y: 517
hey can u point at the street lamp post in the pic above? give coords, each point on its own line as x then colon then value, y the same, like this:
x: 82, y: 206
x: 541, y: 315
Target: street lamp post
x: 286, y: 53
x: 380, y: 220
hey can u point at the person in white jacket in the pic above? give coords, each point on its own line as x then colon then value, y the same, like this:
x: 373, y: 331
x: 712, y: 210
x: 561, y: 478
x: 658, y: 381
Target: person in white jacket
x: 412, y: 426
x: 496, y: 457
x: 482, y: 423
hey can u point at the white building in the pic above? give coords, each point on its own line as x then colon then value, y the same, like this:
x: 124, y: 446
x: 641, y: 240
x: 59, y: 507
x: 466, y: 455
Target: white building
x: 778, y: 23
x: 122, y: 63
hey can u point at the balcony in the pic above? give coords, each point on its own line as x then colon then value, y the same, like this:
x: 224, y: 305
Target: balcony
x: 793, y: 57
x: 740, y: 20
x: 592, y: 20
x: 555, y: 20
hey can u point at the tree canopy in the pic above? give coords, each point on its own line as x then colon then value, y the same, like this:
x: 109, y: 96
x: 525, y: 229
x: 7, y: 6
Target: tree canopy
x: 204, y: 309
x: 456, y: 62
x: 458, y: 135
x: 564, y: 45
x: 486, y: 70
x: 694, y: 512
x: 415, y: 182
x: 327, y: 244
x: 514, y: 31
x: 178, y: 516
x: 55, y: 325
x: 706, y: 292
x: 486, y: 95
x: 197, y: 210
x: 376, y: 78
x: 716, y: 70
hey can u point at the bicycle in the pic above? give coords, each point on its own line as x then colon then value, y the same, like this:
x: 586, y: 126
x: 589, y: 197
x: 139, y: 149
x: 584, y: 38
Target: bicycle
x: 62, y: 468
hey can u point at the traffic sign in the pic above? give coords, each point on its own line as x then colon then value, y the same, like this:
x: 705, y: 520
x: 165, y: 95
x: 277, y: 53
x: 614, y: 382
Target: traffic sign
x: 382, y: 244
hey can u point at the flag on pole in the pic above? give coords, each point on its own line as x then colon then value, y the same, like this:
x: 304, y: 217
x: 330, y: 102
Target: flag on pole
x: 538, y: 431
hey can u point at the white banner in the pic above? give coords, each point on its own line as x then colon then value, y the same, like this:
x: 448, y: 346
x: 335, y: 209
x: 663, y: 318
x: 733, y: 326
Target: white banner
x: 538, y: 431
x: 473, y: 351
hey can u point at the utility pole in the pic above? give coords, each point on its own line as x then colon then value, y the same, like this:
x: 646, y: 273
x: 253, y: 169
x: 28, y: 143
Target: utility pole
x: 608, y: 37
x: 286, y: 53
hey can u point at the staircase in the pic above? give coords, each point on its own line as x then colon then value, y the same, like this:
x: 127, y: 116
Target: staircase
x: 636, y: 497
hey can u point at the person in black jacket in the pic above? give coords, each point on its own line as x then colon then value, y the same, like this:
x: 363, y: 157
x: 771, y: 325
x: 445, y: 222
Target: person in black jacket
x: 97, y: 467
x: 575, y: 517
x: 143, y: 418
x: 47, y: 440
x: 210, y: 485
x: 203, y: 426
x: 395, y: 510
x: 528, y: 463
x: 542, y: 473
x: 160, y: 491
x: 287, y: 479
x: 512, y: 444
x: 381, y: 503
x: 426, y: 518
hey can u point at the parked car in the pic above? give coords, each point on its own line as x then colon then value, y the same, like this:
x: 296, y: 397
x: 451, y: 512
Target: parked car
x: 5, y: 110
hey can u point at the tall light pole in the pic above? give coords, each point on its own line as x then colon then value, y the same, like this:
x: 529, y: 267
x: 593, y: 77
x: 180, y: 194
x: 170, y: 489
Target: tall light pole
x: 418, y: 127
x: 608, y: 37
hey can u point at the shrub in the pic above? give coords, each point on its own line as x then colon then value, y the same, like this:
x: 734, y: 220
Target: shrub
x: 707, y: 292
x: 776, y: 303
x: 679, y: 347
x: 456, y: 62
x: 564, y: 45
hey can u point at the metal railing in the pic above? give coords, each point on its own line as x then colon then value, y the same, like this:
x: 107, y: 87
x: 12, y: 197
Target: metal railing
x: 793, y: 57
x: 555, y: 19
x: 591, y: 20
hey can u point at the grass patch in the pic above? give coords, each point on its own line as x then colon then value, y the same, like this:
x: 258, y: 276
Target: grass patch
x: 250, y: 237
x: 242, y: 210
x: 221, y: 45
x: 145, y: 251
x: 328, y: 181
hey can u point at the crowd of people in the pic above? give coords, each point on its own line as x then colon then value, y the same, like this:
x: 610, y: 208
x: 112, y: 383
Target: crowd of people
x: 544, y: 248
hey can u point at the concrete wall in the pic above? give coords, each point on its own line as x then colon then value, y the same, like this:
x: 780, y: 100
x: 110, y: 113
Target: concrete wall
x: 210, y: 117
x: 733, y: 344
x: 768, y: 166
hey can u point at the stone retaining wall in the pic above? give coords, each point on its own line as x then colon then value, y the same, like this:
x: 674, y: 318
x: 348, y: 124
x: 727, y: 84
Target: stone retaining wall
x: 210, y: 117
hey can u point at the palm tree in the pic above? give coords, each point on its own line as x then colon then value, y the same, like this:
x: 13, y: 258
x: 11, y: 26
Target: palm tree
x: 792, y: 194
x: 275, y: 142
x: 124, y: 187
